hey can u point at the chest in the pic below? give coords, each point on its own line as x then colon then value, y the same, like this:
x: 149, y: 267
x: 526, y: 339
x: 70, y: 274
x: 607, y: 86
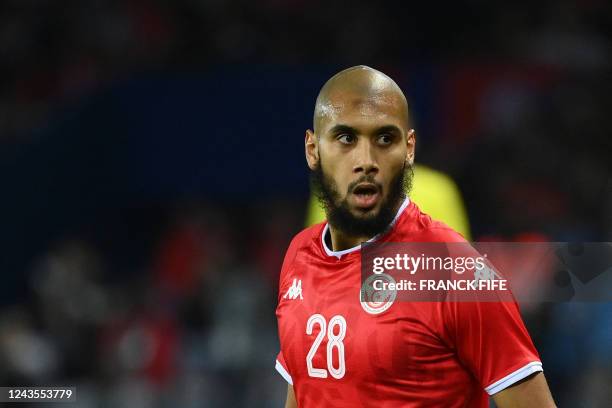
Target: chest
x: 326, y: 333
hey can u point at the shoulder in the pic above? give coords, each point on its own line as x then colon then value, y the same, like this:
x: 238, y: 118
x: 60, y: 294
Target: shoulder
x: 417, y: 226
x: 304, y: 240
x: 306, y: 237
x: 440, y: 232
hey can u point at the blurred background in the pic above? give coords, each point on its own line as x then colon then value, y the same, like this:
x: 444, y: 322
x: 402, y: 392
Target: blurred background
x: 152, y: 175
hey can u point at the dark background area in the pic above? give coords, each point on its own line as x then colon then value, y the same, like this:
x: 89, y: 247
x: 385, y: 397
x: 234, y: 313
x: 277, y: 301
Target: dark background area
x: 152, y: 174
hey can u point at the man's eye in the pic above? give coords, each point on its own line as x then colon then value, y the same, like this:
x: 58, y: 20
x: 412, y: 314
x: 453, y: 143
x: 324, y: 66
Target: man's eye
x: 385, y: 139
x: 346, y: 138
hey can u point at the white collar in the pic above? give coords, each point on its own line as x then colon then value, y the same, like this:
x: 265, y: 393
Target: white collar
x: 339, y: 254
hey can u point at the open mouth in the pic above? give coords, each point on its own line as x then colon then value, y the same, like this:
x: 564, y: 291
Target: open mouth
x: 366, y: 195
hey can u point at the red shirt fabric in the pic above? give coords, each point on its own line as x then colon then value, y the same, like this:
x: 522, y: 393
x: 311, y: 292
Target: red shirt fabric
x: 413, y: 354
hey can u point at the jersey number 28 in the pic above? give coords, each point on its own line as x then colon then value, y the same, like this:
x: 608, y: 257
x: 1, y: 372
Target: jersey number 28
x: 333, y: 341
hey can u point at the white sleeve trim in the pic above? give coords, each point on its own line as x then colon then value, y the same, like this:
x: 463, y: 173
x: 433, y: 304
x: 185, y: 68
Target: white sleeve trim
x: 279, y: 367
x: 514, y: 377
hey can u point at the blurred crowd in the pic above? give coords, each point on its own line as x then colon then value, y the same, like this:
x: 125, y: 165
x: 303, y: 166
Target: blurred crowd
x: 522, y: 127
x: 195, y: 327
x: 54, y: 51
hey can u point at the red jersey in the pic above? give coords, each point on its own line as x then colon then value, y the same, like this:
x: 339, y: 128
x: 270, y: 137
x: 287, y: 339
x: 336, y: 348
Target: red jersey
x: 413, y: 354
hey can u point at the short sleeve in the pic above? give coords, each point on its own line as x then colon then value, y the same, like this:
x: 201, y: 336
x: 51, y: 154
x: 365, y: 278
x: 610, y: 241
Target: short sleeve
x: 298, y: 242
x: 492, y: 341
x: 281, y: 367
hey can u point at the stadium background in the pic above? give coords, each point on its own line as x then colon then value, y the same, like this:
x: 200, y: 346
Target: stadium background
x: 153, y: 175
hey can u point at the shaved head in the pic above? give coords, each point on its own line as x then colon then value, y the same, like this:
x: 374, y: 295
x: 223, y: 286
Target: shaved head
x: 358, y: 87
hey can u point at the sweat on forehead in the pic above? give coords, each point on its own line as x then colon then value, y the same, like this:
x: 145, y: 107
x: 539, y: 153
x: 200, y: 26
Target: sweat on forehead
x: 360, y: 86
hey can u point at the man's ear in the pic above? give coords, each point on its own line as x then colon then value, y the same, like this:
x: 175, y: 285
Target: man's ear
x: 411, y: 145
x: 312, y: 149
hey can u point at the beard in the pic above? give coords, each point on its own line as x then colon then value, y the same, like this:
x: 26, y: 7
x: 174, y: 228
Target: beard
x: 337, y: 208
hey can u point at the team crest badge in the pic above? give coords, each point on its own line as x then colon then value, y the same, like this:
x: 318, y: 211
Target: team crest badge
x: 376, y: 301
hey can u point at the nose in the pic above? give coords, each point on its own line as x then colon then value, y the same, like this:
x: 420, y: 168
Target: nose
x: 365, y: 162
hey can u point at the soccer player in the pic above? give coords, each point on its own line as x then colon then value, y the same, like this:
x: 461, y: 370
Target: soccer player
x: 335, y: 352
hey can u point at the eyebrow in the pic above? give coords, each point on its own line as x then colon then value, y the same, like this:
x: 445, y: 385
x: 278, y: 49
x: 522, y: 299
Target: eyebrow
x: 341, y: 128
x: 389, y: 129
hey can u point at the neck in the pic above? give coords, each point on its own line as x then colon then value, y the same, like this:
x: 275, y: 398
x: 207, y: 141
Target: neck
x: 341, y: 241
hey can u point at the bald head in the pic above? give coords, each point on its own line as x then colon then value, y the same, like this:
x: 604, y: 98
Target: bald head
x: 358, y: 87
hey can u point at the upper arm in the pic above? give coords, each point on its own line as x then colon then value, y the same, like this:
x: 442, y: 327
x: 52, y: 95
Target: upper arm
x: 492, y: 342
x: 530, y: 392
x: 291, y: 402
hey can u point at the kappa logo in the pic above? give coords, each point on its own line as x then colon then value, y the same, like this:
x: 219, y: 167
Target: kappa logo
x: 294, y: 290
